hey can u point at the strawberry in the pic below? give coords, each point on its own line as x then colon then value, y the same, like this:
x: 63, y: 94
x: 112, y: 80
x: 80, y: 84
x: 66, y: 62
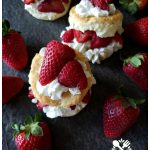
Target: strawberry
x: 118, y: 38
x: 138, y: 31
x: 136, y: 68
x: 133, y: 6
x: 102, y: 4
x: 56, y: 56
x: 51, y: 6
x: 11, y: 86
x: 72, y: 75
x: 83, y: 37
x: 68, y: 36
x: 33, y: 134
x: 14, y: 51
x: 97, y: 42
x: 40, y: 106
x: 30, y: 94
x: 119, y: 114
x: 29, y: 1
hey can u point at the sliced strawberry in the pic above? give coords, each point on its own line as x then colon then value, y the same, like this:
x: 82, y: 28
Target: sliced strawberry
x: 30, y: 94
x: 102, y: 4
x: 72, y: 75
x: 11, y: 86
x: 65, y: 1
x: 118, y: 38
x: 40, y: 106
x: 29, y: 1
x: 68, y: 36
x: 98, y: 42
x: 51, y: 6
x: 83, y: 37
x: 56, y: 56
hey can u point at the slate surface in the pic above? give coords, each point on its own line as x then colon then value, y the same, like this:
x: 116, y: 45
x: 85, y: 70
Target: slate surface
x: 84, y: 131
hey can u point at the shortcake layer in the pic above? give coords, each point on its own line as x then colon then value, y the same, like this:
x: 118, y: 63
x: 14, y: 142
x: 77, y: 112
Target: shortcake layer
x: 68, y: 99
x: 104, y: 26
x: 32, y: 9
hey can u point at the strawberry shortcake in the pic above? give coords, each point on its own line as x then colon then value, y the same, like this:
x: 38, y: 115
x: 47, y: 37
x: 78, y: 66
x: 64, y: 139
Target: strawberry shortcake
x: 95, y: 29
x: 60, y: 80
x: 47, y: 9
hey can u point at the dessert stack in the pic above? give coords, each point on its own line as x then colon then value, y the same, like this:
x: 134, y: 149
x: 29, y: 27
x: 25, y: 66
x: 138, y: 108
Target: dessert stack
x: 95, y: 29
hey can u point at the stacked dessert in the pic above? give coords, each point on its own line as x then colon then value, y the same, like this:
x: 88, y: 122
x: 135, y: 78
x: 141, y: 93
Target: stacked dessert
x: 95, y: 29
x: 47, y: 9
x: 60, y: 80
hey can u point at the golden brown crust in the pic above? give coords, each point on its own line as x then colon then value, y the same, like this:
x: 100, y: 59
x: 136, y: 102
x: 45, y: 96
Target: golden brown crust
x: 103, y: 19
x: 67, y: 99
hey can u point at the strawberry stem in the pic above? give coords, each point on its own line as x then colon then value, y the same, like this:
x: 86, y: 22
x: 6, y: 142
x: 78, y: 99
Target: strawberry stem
x: 5, y: 27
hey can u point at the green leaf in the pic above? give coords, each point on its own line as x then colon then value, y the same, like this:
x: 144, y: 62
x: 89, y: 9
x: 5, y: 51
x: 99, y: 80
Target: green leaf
x: 27, y: 134
x: 15, y: 126
x: 22, y: 127
x: 37, y: 117
x: 37, y: 130
x: 28, y: 120
x: 5, y: 27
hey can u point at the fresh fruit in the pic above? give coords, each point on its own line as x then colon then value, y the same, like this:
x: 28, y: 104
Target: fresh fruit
x: 29, y: 1
x: 136, y: 68
x: 68, y: 36
x: 14, y: 51
x: 138, y: 31
x: 118, y: 38
x: 133, y: 5
x: 97, y: 42
x: 56, y: 56
x: 72, y: 75
x: 102, y: 4
x: 40, y: 106
x: 83, y: 37
x: 119, y: 114
x: 51, y: 6
x: 30, y: 94
x: 11, y: 86
x: 32, y: 135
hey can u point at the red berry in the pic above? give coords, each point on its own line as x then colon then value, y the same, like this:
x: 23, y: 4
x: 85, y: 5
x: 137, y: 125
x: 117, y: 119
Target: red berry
x: 138, y: 31
x: 83, y: 37
x: 30, y: 94
x: 98, y: 42
x: 40, y: 106
x: 29, y: 1
x: 33, y: 135
x: 102, y: 4
x: 118, y: 38
x: 136, y: 68
x: 11, y: 86
x: 72, y: 75
x: 116, y: 118
x: 56, y: 56
x: 68, y: 36
x: 14, y: 51
x: 51, y: 6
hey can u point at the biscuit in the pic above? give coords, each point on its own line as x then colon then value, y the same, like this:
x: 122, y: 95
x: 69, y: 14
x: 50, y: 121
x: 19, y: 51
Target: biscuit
x: 46, y: 16
x: 104, y: 26
x: 67, y: 99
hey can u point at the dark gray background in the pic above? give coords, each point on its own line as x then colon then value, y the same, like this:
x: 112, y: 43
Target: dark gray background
x: 83, y: 131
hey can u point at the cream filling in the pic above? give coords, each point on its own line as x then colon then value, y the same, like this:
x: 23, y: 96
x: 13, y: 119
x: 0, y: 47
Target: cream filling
x: 54, y: 89
x: 32, y: 9
x: 95, y: 55
x: 85, y: 8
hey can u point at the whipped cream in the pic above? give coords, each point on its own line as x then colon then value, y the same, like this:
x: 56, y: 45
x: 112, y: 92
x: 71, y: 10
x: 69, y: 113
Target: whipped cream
x: 54, y: 89
x: 85, y: 8
x: 95, y: 55
x: 32, y: 9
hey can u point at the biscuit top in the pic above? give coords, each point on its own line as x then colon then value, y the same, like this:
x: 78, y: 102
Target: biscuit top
x: 86, y: 8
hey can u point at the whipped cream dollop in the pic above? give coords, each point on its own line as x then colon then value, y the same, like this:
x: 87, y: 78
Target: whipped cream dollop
x: 85, y: 8
x: 32, y: 9
x: 54, y: 89
x: 95, y: 55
